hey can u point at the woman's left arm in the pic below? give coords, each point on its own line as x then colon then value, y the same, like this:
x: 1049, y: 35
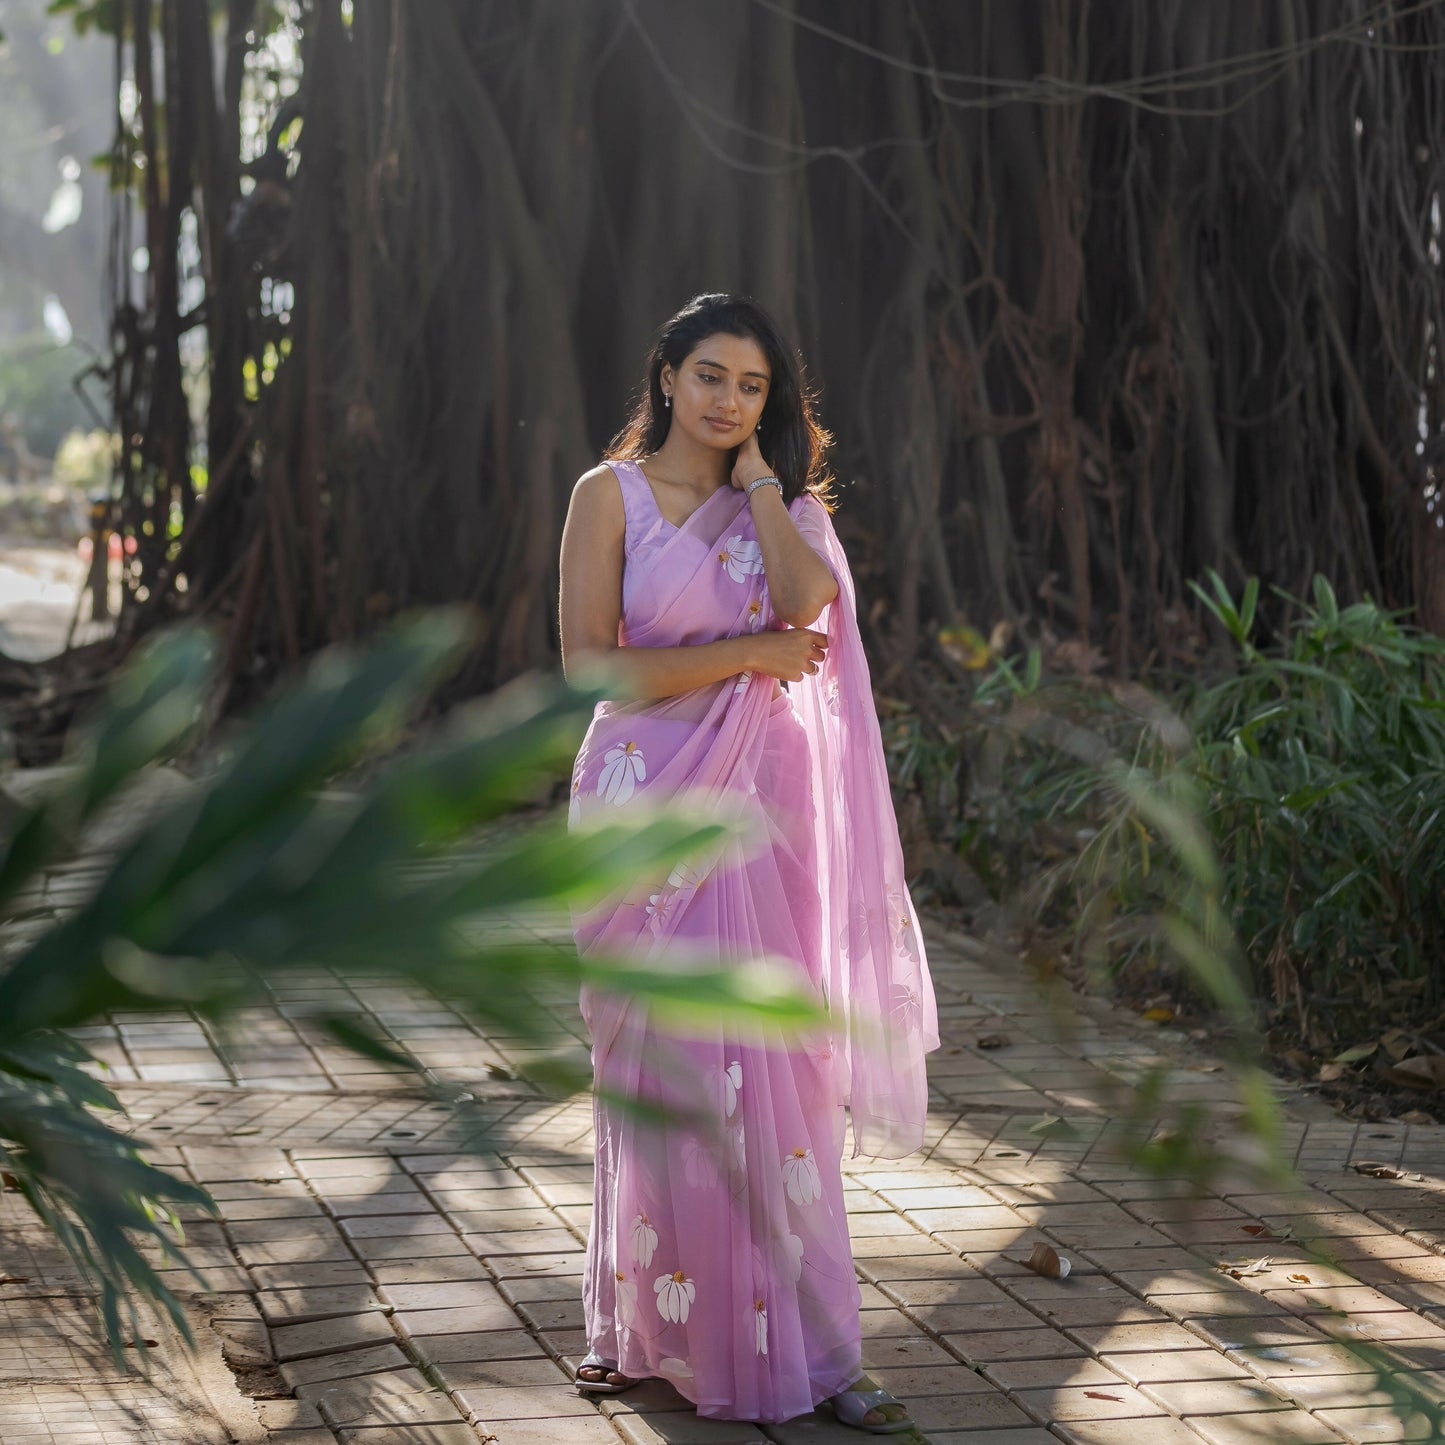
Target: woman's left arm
x: 800, y: 582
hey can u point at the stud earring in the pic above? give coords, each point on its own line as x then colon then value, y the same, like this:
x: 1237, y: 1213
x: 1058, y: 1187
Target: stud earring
x: 667, y: 398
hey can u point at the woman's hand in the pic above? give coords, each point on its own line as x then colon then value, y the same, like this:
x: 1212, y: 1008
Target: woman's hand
x: 789, y: 655
x: 749, y: 465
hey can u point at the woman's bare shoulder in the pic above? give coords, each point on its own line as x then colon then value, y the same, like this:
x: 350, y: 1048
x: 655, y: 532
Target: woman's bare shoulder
x: 597, y: 492
x: 597, y: 496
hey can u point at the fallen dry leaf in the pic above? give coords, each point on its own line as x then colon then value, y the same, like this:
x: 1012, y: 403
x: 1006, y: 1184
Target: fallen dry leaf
x: 1298, y: 1060
x: 1424, y: 1071
x: 994, y: 1041
x: 1245, y: 1268
x: 1156, y: 1016
x: 1263, y: 1231
x: 1415, y: 1116
x: 1375, y: 1169
x: 1301, y: 1279
x: 1100, y: 1395
x: 1330, y: 1072
x: 14, y: 1279
x: 1044, y: 1261
x: 1396, y: 1043
x: 1053, y: 1127
x: 1354, y: 1055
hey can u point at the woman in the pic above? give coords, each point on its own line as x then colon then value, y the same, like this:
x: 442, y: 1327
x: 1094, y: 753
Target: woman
x: 707, y: 578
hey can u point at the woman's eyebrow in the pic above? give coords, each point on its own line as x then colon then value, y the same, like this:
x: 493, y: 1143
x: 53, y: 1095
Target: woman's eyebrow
x: 718, y: 366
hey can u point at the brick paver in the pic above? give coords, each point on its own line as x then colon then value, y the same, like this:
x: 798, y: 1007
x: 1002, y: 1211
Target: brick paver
x: 405, y: 1268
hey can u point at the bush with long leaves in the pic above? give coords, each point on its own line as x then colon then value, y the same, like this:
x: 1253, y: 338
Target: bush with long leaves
x: 256, y: 871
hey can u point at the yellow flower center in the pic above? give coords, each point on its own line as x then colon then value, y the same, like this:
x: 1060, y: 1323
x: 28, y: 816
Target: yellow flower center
x: 630, y: 748
x: 620, y: 1276
x: 800, y: 1153
x: 755, y: 605
x: 759, y: 1305
x: 722, y: 556
x: 678, y: 1276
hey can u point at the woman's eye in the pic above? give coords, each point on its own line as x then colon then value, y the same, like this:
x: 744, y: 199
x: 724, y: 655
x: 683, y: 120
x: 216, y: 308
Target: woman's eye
x: 703, y: 376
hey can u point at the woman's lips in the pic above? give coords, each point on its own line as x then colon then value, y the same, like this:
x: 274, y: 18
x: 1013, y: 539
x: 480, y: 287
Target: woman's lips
x: 722, y: 425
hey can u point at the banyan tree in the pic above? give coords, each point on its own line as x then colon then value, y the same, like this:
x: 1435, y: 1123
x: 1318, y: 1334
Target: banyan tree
x: 1099, y: 295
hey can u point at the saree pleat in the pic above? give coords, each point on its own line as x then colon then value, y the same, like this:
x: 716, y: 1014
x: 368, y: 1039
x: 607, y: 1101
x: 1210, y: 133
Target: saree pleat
x: 718, y: 1255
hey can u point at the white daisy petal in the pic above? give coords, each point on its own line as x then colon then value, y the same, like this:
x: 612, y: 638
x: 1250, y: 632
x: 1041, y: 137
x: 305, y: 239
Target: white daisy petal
x: 623, y: 767
x: 725, y: 1084
x: 742, y: 557
x: 699, y: 1164
x: 790, y: 1247
x: 644, y: 1240
x: 675, y: 1295
x: 626, y: 1299
x: 800, y: 1177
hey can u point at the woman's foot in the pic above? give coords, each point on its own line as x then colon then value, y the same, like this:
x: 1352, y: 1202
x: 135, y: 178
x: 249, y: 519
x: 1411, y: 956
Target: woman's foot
x: 867, y: 1406
x: 596, y: 1376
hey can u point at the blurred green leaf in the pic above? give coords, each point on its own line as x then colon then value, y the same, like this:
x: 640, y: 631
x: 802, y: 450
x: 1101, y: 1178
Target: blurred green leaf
x: 257, y: 869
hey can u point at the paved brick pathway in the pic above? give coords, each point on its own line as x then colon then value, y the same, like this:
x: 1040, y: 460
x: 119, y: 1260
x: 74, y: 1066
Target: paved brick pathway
x: 393, y: 1286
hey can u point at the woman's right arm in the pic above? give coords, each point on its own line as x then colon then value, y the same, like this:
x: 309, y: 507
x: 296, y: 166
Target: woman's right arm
x: 591, y: 607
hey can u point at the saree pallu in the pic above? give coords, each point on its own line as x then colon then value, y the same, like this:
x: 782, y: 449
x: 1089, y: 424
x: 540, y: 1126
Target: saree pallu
x: 718, y: 1256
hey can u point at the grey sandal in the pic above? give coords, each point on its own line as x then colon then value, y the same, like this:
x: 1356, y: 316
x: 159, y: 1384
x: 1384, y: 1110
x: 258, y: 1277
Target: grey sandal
x: 852, y: 1405
x: 594, y: 1361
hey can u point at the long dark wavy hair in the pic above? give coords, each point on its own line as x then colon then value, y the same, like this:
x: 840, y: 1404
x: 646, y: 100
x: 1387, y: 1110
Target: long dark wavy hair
x: 791, y: 437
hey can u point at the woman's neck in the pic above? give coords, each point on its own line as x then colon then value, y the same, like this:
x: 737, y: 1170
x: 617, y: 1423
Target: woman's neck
x: 680, y: 459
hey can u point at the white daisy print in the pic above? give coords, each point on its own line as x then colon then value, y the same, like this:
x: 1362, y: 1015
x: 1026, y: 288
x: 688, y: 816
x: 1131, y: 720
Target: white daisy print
x: 834, y: 698
x: 660, y: 906
x: 683, y: 876
x: 905, y: 939
x: 644, y: 1240
x: 743, y: 558
x: 744, y: 678
x: 760, y: 1313
x: 626, y: 1299
x: 699, y: 1164
x: 755, y: 614
x: 791, y: 1249
x: 725, y: 1085
x: 907, y: 1006
x: 800, y: 1177
x: 574, y: 810
x: 623, y: 767
x: 675, y: 1294
x: 674, y: 1369
x: 820, y: 1051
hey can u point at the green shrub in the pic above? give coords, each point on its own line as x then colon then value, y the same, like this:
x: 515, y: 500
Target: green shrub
x: 1324, y: 766
x: 1314, y: 773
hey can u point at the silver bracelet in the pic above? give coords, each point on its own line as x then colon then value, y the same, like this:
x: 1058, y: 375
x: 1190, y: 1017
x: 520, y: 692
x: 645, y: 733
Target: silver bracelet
x: 764, y: 482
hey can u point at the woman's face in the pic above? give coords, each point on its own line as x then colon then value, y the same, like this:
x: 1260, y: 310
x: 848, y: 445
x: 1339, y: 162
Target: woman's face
x: 719, y: 390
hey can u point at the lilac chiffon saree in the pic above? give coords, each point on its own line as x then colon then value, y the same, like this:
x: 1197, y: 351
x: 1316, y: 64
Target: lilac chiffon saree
x: 719, y: 1254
